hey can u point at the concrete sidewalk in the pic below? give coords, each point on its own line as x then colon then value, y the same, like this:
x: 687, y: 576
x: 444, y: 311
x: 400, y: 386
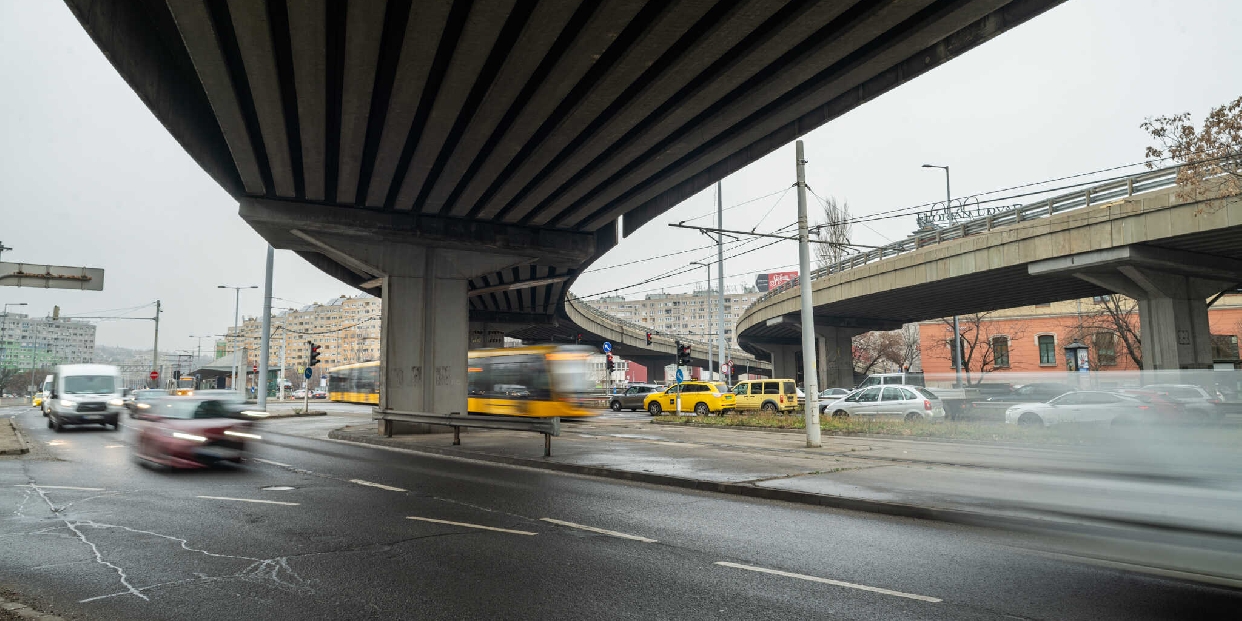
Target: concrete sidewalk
x: 1125, y: 483
x: 11, y: 440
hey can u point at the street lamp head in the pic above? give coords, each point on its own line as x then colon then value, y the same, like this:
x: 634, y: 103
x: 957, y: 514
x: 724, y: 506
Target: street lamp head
x: 934, y: 166
x: 222, y: 286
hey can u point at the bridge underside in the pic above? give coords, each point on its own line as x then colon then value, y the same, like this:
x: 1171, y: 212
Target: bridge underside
x: 399, y: 143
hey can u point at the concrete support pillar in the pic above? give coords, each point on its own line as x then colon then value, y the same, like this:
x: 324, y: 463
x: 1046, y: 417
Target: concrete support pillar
x: 836, y: 355
x: 654, y: 365
x: 784, y: 359
x: 1173, y: 317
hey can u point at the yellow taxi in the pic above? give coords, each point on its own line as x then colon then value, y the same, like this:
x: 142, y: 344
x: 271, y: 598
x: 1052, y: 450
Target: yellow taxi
x: 702, y: 398
x: 38, y: 399
x: 770, y: 396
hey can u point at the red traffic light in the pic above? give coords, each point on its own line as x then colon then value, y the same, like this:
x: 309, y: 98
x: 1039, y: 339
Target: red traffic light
x: 648, y: 338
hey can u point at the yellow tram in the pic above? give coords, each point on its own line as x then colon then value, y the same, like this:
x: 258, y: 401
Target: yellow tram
x: 536, y: 381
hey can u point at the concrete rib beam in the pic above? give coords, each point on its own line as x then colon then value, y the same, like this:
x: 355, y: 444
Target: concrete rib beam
x: 482, y: 29
x: 418, y: 49
x: 364, y: 25
x: 608, y: 20
x: 542, y: 28
x: 254, y: 41
x: 308, y: 37
x: 198, y: 32
x: 668, y: 27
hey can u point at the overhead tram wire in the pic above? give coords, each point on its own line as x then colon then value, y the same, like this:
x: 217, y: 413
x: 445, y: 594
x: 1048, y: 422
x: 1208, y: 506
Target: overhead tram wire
x: 741, y: 204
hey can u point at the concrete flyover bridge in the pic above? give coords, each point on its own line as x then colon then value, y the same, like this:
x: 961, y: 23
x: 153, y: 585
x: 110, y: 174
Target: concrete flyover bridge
x: 629, y: 340
x: 1132, y: 236
x: 466, y: 159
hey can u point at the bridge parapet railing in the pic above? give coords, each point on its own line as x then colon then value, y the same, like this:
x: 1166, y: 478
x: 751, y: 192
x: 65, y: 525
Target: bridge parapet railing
x: 1098, y: 194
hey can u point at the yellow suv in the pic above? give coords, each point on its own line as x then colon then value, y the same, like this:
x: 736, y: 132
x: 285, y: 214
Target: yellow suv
x: 702, y: 398
x: 769, y: 396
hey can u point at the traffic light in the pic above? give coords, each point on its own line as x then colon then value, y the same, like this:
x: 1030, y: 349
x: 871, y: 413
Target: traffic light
x: 314, y: 354
x: 683, y: 354
x: 608, y: 364
x: 648, y: 338
x: 578, y: 340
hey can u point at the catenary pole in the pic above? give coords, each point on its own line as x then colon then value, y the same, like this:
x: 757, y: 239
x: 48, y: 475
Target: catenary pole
x: 261, y: 381
x: 721, y: 341
x: 155, y: 349
x: 810, y: 374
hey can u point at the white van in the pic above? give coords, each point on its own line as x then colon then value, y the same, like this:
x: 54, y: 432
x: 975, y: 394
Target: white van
x: 84, y: 394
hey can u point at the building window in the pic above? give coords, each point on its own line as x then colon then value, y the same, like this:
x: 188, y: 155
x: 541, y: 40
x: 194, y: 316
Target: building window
x: 1047, y: 349
x: 1105, y: 348
x: 1000, y: 351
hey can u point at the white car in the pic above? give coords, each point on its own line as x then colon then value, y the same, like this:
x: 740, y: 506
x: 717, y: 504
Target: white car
x: 1083, y: 406
x: 912, y: 403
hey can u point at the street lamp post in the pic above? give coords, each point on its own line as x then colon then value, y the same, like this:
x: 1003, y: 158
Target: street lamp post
x: 708, y: 308
x: 957, y: 333
x: 236, y: 319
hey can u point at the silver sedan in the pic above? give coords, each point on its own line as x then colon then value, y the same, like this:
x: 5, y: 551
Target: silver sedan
x: 1084, y: 406
x: 911, y: 403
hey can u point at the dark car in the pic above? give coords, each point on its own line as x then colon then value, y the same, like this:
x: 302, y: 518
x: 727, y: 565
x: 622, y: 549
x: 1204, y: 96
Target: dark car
x: 141, y: 400
x: 632, y: 397
x: 194, y: 432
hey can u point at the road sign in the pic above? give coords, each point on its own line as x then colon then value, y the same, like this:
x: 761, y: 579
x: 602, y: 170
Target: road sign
x: 681, y: 377
x: 607, y: 347
x: 254, y: 369
x: 307, y: 373
x: 155, y: 375
x: 51, y: 276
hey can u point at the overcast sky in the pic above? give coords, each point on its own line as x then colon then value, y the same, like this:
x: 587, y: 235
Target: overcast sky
x: 91, y: 178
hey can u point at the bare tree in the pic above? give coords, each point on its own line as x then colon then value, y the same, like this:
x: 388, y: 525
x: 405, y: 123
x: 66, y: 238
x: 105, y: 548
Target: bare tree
x: 835, y: 229
x: 911, y: 350
x: 893, y: 350
x: 1116, y: 315
x: 981, y: 337
x: 1211, y: 157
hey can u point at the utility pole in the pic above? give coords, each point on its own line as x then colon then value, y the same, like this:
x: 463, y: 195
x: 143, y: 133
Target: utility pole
x: 810, y: 374
x: 261, y: 381
x: 707, y: 307
x: 236, y: 331
x: 720, y: 329
x: 155, y: 349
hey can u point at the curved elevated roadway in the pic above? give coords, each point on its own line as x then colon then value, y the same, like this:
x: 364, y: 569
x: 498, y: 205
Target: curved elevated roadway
x: 1135, y: 236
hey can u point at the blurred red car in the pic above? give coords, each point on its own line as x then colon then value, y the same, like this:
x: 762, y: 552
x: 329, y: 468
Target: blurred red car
x: 195, y: 432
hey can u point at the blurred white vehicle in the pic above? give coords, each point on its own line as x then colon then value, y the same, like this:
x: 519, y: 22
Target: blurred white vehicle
x: 1085, y: 406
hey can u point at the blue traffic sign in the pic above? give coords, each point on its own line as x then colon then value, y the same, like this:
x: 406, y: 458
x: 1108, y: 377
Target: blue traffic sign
x: 681, y: 377
x: 307, y: 373
x: 607, y: 347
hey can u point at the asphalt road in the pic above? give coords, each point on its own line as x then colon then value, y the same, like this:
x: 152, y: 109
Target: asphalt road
x: 364, y: 532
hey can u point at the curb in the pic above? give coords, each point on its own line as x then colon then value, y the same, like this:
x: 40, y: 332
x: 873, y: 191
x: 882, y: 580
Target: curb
x: 293, y: 415
x: 26, y: 612
x: 956, y: 516
x: 21, y: 440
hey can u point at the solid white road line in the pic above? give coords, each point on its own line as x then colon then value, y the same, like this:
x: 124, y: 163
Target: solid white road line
x: 80, y: 489
x: 274, y: 463
x: 610, y: 533
x: 266, y: 502
x: 379, y: 485
x: 463, y: 524
x: 851, y: 585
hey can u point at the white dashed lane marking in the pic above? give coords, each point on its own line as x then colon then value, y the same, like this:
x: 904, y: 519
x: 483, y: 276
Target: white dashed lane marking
x: 266, y: 502
x: 80, y: 489
x: 379, y: 485
x: 465, y: 525
x: 610, y: 533
x: 849, y: 585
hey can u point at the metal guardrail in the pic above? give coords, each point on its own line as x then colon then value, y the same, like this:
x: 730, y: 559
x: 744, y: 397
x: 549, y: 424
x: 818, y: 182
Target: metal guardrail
x: 547, y: 426
x: 1097, y: 194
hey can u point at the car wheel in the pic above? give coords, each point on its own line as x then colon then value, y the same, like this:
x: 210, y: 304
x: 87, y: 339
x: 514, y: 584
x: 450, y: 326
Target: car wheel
x: 768, y: 408
x: 654, y: 409
x: 700, y: 409
x: 1030, y: 419
x: 840, y: 414
x: 616, y: 406
x: 50, y: 425
x: 56, y: 426
x: 913, y: 417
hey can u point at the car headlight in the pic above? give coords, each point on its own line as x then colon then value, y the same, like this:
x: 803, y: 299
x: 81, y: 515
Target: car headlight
x: 188, y: 436
x: 117, y: 402
x: 65, y: 403
x: 239, y: 434
x: 255, y: 413
x: 143, y: 406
